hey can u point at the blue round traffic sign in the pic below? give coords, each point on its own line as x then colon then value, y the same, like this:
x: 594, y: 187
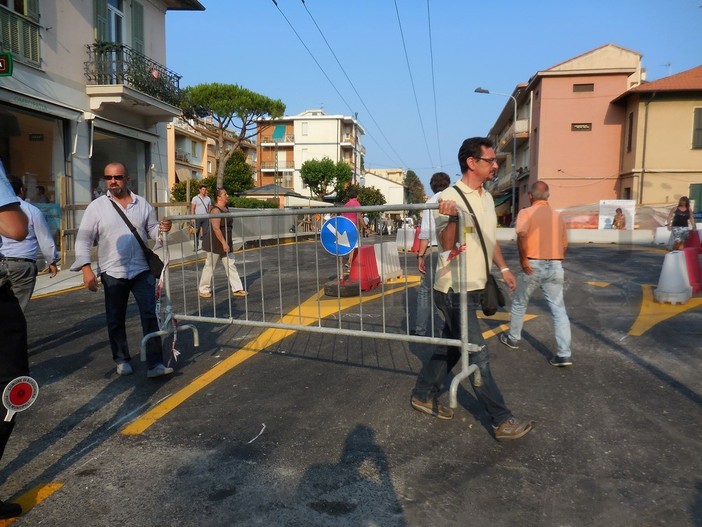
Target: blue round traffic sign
x: 339, y: 236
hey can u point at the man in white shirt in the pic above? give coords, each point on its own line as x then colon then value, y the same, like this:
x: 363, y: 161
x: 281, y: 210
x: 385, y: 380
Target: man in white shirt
x: 200, y: 204
x: 21, y: 257
x: 122, y: 265
x: 428, y: 244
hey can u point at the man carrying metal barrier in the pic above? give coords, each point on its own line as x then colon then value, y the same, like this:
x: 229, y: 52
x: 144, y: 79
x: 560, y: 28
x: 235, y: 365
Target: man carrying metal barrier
x: 478, y: 164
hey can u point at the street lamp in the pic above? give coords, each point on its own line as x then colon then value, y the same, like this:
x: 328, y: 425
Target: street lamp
x: 514, y: 148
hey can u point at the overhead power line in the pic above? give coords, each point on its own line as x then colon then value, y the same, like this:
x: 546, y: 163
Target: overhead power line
x: 370, y: 114
x: 414, y: 91
x: 313, y: 57
x: 433, y: 84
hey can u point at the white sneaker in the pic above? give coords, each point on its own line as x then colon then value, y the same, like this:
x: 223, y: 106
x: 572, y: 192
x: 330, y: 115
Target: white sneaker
x: 158, y: 371
x: 124, y: 368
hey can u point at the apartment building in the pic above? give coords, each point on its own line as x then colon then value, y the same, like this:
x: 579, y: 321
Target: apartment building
x: 187, y: 152
x: 193, y: 153
x: 393, y: 174
x: 661, y: 143
x: 567, y: 131
x: 387, y: 183
x: 285, y: 143
x: 89, y: 86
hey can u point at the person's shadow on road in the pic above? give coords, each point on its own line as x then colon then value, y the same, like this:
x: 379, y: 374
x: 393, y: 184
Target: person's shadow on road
x: 357, y: 490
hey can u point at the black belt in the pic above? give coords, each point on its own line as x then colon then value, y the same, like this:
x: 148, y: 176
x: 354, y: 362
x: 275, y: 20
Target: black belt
x: 547, y: 259
x: 12, y: 259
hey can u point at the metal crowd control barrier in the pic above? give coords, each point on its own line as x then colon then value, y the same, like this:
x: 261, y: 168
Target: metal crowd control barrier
x: 287, y: 289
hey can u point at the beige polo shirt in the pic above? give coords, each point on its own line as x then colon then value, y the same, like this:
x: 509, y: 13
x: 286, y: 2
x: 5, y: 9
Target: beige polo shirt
x: 447, y: 272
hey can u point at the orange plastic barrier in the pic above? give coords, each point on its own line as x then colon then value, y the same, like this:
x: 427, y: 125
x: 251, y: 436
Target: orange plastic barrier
x: 693, y: 240
x: 692, y: 259
x: 364, y: 269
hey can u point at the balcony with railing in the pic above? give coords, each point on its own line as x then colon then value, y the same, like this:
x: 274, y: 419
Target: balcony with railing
x: 21, y: 36
x: 118, y: 75
x: 287, y: 138
x: 520, y: 132
x: 282, y: 165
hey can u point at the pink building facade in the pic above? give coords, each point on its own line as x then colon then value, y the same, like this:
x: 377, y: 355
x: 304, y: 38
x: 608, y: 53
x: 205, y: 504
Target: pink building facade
x: 568, y: 133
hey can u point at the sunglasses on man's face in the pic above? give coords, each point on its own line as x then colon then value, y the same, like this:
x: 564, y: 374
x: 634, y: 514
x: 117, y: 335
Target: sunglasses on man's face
x: 118, y: 178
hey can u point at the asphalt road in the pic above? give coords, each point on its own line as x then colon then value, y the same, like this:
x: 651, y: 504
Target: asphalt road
x: 316, y: 430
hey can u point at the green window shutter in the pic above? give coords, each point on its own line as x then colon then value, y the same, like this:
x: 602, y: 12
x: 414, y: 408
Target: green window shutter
x: 100, y: 20
x: 138, y: 27
x: 33, y: 10
x: 279, y: 132
x: 697, y: 129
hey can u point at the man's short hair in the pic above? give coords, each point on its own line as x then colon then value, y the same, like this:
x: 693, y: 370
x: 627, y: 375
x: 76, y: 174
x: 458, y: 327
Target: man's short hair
x: 16, y: 183
x: 539, y: 190
x: 472, y: 147
x: 352, y: 193
x: 439, y: 181
x: 203, y: 186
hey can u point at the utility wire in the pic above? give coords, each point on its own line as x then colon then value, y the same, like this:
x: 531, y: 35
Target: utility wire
x: 433, y: 83
x: 414, y: 91
x: 313, y: 58
x: 370, y: 114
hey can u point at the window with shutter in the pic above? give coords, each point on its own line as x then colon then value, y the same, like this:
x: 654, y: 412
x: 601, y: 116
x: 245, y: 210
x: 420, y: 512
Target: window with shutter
x: 100, y: 9
x: 19, y: 32
x: 697, y: 129
x: 138, y: 27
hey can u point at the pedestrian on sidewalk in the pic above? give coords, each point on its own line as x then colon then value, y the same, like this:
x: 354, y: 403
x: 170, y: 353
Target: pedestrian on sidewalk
x: 14, y: 357
x: 680, y: 221
x: 478, y: 163
x: 122, y: 265
x: 200, y: 204
x: 428, y: 244
x: 21, y: 256
x: 217, y: 242
x: 542, y: 243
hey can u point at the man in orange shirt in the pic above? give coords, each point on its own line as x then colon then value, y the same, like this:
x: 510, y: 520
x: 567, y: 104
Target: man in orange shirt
x: 542, y: 244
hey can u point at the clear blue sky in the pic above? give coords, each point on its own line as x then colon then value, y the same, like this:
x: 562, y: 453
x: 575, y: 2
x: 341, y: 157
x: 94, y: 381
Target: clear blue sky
x: 253, y: 43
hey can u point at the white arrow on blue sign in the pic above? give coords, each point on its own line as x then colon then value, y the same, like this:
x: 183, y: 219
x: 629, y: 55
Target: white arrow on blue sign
x: 339, y: 236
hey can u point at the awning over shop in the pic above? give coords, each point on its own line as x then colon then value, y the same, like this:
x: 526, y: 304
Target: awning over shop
x: 502, y: 199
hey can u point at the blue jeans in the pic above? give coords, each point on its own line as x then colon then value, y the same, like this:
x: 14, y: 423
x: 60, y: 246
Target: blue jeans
x: 143, y: 287
x: 425, y: 311
x: 431, y: 378
x: 548, y: 275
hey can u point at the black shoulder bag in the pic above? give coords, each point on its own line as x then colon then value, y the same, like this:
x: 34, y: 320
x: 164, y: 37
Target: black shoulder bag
x: 154, y: 262
x: 491, y: 298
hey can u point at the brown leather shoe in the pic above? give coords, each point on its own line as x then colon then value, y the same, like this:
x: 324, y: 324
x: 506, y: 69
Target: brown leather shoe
x: 433, y: 407
x: 513, y: 428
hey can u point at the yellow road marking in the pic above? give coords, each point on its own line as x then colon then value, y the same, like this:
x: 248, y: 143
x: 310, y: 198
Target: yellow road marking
x: 305, y: 314
x: 598, y: 284
x: 32, y: 498
x: 652, y: 312
x: 502, y: 327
